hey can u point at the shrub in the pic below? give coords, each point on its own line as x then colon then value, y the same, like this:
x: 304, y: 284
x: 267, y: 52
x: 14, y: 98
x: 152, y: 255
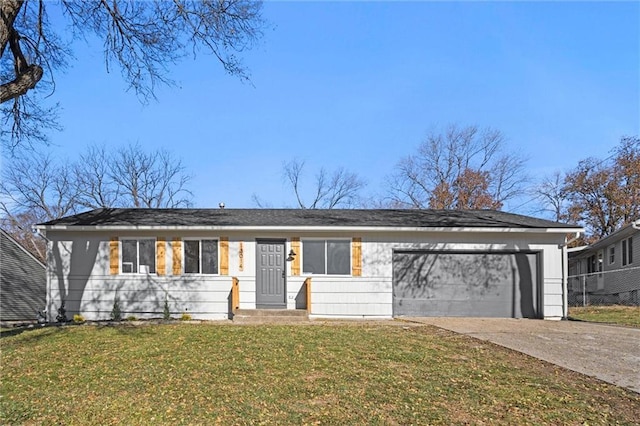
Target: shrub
x: 132, y: 318
x: 185, y: 317
x: 116, y: 313
x: 78, y: 319
x: 62, y: 314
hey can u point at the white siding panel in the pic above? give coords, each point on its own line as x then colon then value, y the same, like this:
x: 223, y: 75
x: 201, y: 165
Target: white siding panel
x: 553, y: 313
x: 356, y: 297
x: 143, y: 297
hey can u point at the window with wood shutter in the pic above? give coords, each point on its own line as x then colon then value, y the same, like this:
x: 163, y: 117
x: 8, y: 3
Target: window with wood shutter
x: 138, y: 256
x: 200, y: 256
x: 326, y: 257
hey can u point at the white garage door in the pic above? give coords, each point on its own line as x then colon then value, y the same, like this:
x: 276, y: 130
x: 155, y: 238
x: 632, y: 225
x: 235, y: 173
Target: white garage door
x: 466, y: 284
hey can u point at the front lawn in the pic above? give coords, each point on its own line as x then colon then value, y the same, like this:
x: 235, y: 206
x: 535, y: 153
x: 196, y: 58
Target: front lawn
x: 621, y: 315
x: 360, y: 373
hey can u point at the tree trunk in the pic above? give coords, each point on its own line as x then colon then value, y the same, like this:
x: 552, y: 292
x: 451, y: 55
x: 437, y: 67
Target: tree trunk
x: 27, y: 76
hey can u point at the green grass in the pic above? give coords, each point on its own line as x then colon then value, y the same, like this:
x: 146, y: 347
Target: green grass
x: 622, y: 315
x: 362, y: 373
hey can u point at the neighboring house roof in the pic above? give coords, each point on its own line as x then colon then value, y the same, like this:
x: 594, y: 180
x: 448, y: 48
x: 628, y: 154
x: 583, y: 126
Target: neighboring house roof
x: 22, y: 281
x: 622, y: 233
x: 301, y: 218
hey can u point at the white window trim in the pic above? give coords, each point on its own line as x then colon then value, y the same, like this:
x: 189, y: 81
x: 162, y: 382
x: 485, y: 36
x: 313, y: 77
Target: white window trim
x: 349, y: 240
x: 625, y: 251
x: 137, y: 239
x: 600, y: 262
x: 184, y: 255
x: 609, y: 255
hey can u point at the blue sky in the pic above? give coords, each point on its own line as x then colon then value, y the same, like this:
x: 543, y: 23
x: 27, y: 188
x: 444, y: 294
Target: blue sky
x: 361, y: 84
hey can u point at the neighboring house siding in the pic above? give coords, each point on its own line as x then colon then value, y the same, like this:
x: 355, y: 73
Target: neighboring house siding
x: 81, y: 266
x: 22, y: 282
x: 619, y: 278
x: 617, y: 283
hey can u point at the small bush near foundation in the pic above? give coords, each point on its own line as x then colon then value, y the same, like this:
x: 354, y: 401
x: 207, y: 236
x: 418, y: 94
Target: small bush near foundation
x: 78, y: 319
x: 116, y: 313
x: 132, y: 318
x: 166, y: 313
x: 185, y: 317
x: 62, y: 314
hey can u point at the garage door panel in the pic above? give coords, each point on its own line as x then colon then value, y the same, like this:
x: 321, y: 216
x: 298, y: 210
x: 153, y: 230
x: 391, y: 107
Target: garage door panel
x: 453, y: 308
x: 465, y: 284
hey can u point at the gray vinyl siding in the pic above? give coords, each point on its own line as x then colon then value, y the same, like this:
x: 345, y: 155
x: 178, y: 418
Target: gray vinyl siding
x: 619, y: 278
x: 615, y: 279
x: 22, y: 282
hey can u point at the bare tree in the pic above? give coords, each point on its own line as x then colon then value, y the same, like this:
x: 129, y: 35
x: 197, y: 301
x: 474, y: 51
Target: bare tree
x: 94, y: 185
x: 552, y: 196
x: 153, y: 180
x: 461, y: 168
x: 36, y: 188
x: 340, y: 189
x: 141, y: 38
x: 34, y: 182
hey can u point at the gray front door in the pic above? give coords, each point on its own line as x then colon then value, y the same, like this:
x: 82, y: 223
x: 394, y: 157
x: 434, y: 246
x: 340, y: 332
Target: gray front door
x: 270, y: 279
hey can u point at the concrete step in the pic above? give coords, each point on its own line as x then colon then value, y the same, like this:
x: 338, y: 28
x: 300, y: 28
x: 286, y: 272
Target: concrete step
x: 259, y: 316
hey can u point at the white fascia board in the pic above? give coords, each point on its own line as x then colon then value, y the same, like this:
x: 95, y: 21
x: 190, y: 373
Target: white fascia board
x: 308, y: 229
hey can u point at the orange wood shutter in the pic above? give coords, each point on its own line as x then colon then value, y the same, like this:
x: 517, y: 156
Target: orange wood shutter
x: 295, y: 263
x: 224, y: 255
x: 161, y: 256
x: 114, y: 256
x: 356, y: 257
x: 176, y: 246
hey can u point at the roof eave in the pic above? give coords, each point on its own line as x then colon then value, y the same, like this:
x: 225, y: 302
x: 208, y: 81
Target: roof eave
x: 307, y: 229
x: 624, y: 232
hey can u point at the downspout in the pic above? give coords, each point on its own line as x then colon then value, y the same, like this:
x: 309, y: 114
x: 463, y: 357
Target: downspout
x: 565, y: 273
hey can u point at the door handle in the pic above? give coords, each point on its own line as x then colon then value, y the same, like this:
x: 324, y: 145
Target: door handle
x: 284, y: 274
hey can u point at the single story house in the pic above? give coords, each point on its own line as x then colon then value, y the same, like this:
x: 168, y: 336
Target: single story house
x: 22, y: 282
x: 607, y: 271
x: 333, y: 263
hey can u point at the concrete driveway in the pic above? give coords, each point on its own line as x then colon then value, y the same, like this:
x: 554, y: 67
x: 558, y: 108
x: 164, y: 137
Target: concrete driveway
x: 610, y: 353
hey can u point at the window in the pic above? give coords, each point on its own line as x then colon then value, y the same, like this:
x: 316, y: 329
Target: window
x: 612, y: 255
x: 594, y: 263
x: 627, y: 251
x: 139, y: 256
x: 331, y: 257
x: 201, y: 256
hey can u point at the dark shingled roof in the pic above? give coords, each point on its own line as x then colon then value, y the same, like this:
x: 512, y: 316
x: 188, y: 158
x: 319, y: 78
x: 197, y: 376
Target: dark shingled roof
x: 305, y: 218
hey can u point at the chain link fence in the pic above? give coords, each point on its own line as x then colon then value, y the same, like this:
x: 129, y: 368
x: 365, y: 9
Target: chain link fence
x: 616, y: 287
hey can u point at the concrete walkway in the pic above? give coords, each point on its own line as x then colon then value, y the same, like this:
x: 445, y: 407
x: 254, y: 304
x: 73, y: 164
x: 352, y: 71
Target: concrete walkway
x: 609, y: 353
